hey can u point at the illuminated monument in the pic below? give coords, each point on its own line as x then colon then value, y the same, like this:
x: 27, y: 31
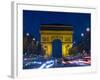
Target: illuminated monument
x: 51, y: 32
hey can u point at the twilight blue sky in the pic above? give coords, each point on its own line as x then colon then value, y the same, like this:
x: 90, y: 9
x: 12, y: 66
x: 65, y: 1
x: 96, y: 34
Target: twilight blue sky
x: 33, y: 19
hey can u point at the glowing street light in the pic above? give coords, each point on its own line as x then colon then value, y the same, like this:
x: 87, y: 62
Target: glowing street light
x: 33, y: 39
x: 82, y: 34
x: 87, y: 29
x: 27, y: 34
x: 74, y: 42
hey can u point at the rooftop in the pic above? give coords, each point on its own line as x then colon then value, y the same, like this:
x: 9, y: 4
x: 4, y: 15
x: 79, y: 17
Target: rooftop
x: 56, y: 27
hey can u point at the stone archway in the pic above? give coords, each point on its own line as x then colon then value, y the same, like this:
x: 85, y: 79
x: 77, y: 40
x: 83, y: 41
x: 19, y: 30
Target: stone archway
x: 52, y: 32
x: 56, y: 48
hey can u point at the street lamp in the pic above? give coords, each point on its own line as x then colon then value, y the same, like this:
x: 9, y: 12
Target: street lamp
x: 33, y: 39
x: 87, y: 29
x: 74, y: 42
x: 27, y: 34
x: 82, y: 34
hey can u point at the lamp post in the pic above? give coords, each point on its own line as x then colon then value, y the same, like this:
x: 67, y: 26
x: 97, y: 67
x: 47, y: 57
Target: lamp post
x: 82, y: 34
x: 74, y: 42
x: 33, y: 39
x: 27, y: 34
x: 87, y: 29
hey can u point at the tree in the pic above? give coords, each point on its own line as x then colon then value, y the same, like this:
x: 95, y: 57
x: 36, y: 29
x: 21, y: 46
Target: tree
x: 84, y: 43
x: 73, y: 51
x: 39, y: 49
